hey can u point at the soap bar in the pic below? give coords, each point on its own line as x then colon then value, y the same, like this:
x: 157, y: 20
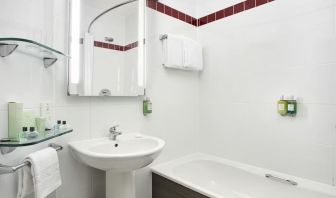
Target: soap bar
x: 15, y: 116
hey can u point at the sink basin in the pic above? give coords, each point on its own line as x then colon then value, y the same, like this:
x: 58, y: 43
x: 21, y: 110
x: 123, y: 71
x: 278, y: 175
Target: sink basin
x: 129, y: 152
x: 119, y: 158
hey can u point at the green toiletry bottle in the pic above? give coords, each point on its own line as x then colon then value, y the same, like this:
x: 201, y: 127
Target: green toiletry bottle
x: 147, y: 106
x: 292, y: 106
x: 282, y: 106
x: 15, y: 120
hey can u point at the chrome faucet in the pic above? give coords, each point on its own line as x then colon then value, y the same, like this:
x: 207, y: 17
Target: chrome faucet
x: 114, y: 133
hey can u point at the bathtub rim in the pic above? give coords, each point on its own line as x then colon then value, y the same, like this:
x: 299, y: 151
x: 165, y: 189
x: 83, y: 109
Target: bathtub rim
x: 165, y: 169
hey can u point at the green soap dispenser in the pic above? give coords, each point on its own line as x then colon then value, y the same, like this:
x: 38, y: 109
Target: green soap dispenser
x: 292, y: 106
x: 147, y: 106
x: 282, y: 106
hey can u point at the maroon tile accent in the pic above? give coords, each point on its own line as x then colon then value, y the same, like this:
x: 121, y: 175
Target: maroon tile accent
x: 160, y: 7
x: 188, y: 19
x: 239, y: 7
x: 111, y: 46
x: 249, y: 4
x: 105, y: 45
x: 211, y: 17
x: 168, y: 10
x: 182, y: 16
x: 203, y: 21
x: 115, y: 47
x: 194, y: 22
x: 99, y: 44
x: 175, y: 13
x: 228, y: 11
x: 220, y: 14
x: 261, y: 2
x: 151, y: 4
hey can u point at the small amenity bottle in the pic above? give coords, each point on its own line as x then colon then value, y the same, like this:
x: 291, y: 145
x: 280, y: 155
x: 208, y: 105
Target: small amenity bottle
x: 23, y: 134
x: 64, y: 126
x: 282, y: 106
x: 57, y: 126
x: 292, y: 106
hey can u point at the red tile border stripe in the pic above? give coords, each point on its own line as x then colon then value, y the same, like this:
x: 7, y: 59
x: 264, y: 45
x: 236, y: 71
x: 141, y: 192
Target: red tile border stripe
x: 116, y: 47
x: 221, y: 14
x: 167, y: 10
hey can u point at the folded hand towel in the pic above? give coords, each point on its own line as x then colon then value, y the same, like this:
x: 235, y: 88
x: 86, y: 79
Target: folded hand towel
x: 44, y: 171
x: 173, y: 51
x: 193, y: 55
x: 26, y: 186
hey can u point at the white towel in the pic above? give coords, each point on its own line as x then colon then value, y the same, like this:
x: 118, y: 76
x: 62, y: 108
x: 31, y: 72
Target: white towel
x: 26, y: 186
x: 193, y: 55
x: 173, y: 51
x: 42, y: 177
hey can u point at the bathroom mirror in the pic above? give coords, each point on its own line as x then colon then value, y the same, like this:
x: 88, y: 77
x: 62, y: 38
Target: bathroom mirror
x: 106, y: 47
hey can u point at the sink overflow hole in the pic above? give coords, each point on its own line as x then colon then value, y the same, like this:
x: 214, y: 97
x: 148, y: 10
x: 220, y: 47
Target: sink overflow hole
x: 116, y: 145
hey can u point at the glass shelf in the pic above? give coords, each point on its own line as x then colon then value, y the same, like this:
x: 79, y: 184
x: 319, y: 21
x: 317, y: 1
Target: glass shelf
x: 49, y: 55
x: 47, y: 135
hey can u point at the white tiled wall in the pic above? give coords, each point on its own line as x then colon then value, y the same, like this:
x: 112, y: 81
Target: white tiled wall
x: 174, y: 95
x: 252, y: 58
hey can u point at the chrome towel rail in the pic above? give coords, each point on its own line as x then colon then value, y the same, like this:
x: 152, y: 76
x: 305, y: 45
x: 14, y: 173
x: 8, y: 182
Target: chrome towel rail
x: 283, y: 180
x: 5, y: 169
x: 163, y: 37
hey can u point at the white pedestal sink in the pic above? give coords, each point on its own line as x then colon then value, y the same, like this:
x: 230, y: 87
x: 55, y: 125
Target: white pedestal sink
x: 119, y: 159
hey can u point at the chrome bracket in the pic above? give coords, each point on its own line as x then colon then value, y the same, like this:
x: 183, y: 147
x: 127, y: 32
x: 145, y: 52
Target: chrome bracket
x: 7, y: 49
x: 163, y: 37
x: 48, y: 61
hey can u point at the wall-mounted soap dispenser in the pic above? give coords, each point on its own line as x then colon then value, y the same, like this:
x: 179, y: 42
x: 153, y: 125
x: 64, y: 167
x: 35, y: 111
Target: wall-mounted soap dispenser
x: 147, y: 106
x: 287, y: 106
x: 292, y: 106
x: 282, y: 106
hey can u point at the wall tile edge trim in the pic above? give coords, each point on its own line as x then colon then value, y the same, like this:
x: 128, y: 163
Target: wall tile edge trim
x: 221, y: 14
x: 116, y: 47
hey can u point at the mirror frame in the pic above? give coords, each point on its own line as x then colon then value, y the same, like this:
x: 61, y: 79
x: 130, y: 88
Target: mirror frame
x: 73, y: 66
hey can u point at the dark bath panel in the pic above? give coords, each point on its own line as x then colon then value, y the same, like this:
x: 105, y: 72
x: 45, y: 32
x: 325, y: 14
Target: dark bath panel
x: 164, y: 188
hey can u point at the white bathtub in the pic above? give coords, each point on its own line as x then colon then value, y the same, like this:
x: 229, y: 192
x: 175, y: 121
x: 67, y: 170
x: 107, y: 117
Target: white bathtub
x: 220, y: 178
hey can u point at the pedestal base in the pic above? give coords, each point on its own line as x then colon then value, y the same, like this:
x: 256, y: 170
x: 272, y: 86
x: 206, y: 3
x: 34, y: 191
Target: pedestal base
x: 120, y: 184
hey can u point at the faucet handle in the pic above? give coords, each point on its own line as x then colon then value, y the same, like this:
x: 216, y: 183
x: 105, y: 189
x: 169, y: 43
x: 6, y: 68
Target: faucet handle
x: 114, y: 128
